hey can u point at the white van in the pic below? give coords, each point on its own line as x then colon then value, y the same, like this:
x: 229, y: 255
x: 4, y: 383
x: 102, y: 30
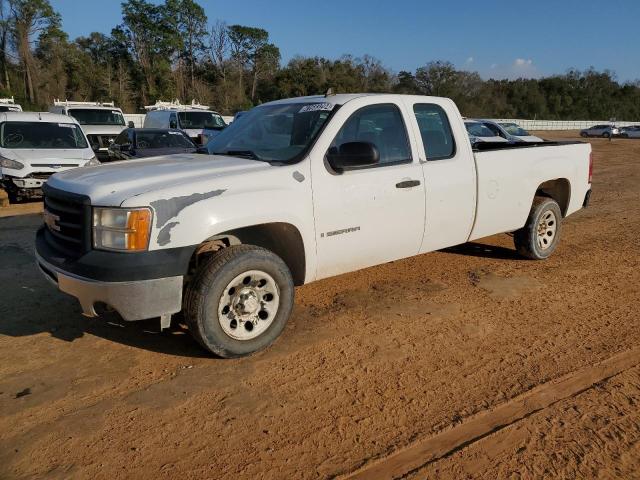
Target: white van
x: 102, y: 122
x: 9, y: 105
x: 34, y: 146
x: 197, y: 121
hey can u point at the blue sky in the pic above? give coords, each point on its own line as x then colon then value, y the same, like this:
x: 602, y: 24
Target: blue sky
x: 496, y: 38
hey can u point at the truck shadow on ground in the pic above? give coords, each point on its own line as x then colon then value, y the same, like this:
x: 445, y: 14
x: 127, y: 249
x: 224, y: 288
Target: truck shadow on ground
x: 474, y: 249
x: 31, y: 306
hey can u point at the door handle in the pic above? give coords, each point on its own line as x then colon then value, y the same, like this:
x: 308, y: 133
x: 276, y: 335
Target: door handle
x: 408, y: 184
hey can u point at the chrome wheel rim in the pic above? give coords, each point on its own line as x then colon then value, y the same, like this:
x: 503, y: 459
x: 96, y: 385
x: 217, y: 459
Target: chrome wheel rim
x: 248, y: 305
x: 547, y: 227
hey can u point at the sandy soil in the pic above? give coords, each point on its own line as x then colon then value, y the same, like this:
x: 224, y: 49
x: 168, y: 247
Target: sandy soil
x: 469, y: 362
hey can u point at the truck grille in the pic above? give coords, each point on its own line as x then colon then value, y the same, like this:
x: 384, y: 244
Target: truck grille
x: 67, y: 217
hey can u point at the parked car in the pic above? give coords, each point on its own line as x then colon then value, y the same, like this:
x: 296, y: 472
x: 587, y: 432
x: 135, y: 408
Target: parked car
x: 346, y: 185
x: 34, y: 146
x: 604, y: 131
x: 197, y: 121
x: 516, y: 132
x: 100, y: 121
x: 150, y: 142
x: 9, y: 105
x: 479, y: 132
x: 630, y: 132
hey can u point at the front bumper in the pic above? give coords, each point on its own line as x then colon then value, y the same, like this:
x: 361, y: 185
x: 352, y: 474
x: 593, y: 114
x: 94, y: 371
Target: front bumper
x: 27, y: 187
x: 133, y: 300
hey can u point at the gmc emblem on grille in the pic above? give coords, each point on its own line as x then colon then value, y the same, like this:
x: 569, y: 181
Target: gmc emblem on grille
x: 50, y: 220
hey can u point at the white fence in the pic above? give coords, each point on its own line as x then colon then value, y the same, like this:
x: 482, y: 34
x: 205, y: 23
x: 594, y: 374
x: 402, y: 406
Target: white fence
x: 561, y: 124
x: 138, y: 120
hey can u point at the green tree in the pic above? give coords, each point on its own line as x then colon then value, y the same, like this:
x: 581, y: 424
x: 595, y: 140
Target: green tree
x: 189, y: 21
x: 28, y: 20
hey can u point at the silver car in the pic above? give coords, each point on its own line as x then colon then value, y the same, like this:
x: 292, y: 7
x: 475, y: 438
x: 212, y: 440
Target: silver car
x: 630, y: 132
x: 604, y: 131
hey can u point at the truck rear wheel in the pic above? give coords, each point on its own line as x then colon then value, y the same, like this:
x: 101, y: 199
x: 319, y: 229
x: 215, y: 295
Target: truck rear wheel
x: 539, y: 237
x: 239, y: 301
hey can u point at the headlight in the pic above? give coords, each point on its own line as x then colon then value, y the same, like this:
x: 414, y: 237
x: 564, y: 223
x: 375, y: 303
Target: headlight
x: 93, y: 162
x: 121, y: 229
x: 12, y: 164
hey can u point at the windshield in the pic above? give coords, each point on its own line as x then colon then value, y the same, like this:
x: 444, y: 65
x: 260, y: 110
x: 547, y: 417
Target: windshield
x: 163, y: 140
x: 41, y: 135
x: 87, y: 116
x: 273, y: 132
x: 514, y: 129
x: 201, y: 120
x: 478, y: 130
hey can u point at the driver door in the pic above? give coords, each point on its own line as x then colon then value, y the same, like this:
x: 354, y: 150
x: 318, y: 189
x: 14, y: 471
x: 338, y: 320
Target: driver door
x: 371, y: 215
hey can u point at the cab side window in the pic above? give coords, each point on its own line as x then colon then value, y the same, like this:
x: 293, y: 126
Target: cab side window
x: 381, y: 125
x: 435, y: 130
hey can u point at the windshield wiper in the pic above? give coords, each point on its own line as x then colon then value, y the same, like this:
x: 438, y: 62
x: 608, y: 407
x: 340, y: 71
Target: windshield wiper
x: 240, y: 153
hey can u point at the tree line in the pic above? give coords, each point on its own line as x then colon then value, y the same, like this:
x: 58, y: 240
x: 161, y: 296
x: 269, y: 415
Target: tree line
x: 170, y: 50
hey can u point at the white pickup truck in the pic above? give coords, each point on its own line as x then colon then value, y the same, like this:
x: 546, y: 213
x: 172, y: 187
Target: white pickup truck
x: 294, y: 191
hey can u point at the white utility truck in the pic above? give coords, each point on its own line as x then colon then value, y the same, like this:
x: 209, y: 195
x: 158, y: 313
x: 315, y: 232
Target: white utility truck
x: 102, y: 122
x: 299, y: 190
x: 199, y: 122
x: 34, y: 146
x: 9, y: 105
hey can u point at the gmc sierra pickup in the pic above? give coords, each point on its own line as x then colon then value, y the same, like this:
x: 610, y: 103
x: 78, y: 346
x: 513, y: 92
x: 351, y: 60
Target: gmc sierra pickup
x: 294, y: 191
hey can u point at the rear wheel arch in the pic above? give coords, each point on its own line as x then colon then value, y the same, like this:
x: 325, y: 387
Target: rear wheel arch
x: 559, y: 189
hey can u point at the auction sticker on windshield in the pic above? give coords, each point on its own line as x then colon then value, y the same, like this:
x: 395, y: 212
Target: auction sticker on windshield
x: 317, y: 107
x: 67, y: 125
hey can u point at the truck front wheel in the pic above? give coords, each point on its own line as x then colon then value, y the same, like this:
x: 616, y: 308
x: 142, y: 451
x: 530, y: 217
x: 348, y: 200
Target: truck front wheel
x: 239, y: 301
x: 539, y: 237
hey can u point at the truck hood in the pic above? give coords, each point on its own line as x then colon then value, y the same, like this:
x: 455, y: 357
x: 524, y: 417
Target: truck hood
x: 48, y: 156
x: 102, y: 129
x: 528, y: 138
x: 113, y: 183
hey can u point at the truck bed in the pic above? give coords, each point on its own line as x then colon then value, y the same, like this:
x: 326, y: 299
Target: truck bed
x: 508, y: 176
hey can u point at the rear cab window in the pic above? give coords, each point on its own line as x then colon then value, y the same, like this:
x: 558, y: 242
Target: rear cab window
x: 435, y: 130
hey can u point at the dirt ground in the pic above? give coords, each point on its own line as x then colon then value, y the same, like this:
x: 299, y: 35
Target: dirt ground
x: 463, y: 363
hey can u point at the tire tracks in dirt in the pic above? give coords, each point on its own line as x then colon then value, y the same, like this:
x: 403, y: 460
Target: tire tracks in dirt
x: 428, y: 450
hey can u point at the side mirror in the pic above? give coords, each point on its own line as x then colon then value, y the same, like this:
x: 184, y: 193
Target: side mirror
x: 173, y: 124
x: 353, y: 155
x: 131, y: 124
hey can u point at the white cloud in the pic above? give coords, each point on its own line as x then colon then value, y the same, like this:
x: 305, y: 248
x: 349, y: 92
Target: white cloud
x: 469, y: 61
x: 522, y: 63
x: 519, y: 68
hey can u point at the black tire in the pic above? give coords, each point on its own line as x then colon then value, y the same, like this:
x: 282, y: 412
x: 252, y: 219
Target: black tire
x: 584, y: 134
x: 203, y: 295
x: 606, y: 135
x: 527, y: 238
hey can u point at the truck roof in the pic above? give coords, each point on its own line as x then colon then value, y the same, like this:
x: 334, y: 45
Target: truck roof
x: 36, y: 117
x: 338, y: 99
x: 342, y: 98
